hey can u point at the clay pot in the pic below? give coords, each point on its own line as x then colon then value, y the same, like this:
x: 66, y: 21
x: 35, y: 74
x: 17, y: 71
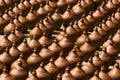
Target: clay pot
x: 105, y: 57
x: 5, y: 75
x: 16, y: 10
x: 49, y: 26
x: 51, y: 67
x: 65, y: 43
x: 61, y: 60
x: 55, y: 47
x: 67, y: 75
x: 117, y: 14
x: 110, y: 24
x: 97, y: 61
x: 51, y: 20
x: 6, y: 58
x: 78, y: 9
x: 6, y: 16
x: 32, y: 15
x: 14, y: 52
x: 44, y: 40
x: 67, y: 15
x: 87, y: 47
x: 21, y: 60
x: 2, y: 22
x: 58, y: 19
x: 98, y: 14
x: 101, y: 31
x: 95, y: 36
x: 77, y: 72
x: 62, y: 5
x: 21, y: 5
x: 116, y: 37
x: 42, y: 11
x: 27, y: 3
x: 103, y: 8
x: 32, y: 76
x: 90, y: 18
x: 24, y: 48
x: 13, y: 38
x: 9, y: 27
x: 45, y: 52
x: 34, y: 59
x: 89, y: 68
x: 81, y: 40
x: 84, y: 4
x: 78, y: 51
x: 70, y: 30
x: 104, y: 26
x: 110, y: 5
x: 82, y: 25
x: 22, y: 19
x: 5, y: 42
x: 103, y: 74
x: 77, y: 28
x: 105, y: 44
x: 19, y: 34
x: 36, y: 31
x: 61, y: 35
x: 42, y: 73
x: 72, y: 57
x: 111, y: 49
x: 114, y: 20
x: 17, y: 22
x: 11, y: 13
x: 48, y: 8
x: 95, y: 77
x: 18, y: 72
x: 42, y: 26
x: 34, y: 44
x: 115, y: 72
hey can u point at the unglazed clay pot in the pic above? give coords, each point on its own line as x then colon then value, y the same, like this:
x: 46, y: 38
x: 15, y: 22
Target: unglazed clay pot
x: 67, y: 75
x: 34, y: 59
x: 18, y: 72
x: 9, y: 27
x: 5, y: 75
x: 5, y: 42
x: 34, y: 44
x: 24, y: 48
x: 103, y: 74
x: 82, y: 38
x: 13, y: 38
x: 77, y: 72
x: 115, y: 72
x: 45, y: 52
x: 61, y: 60
x: 89, y: 68
x: 32, y: 76
x: 14, y: 52
x: 95, y: 77
x: 51, y: 67
x: 41, y: 73
x: 36, y: 31
x: 72, y: 57
x: 20, y: 59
